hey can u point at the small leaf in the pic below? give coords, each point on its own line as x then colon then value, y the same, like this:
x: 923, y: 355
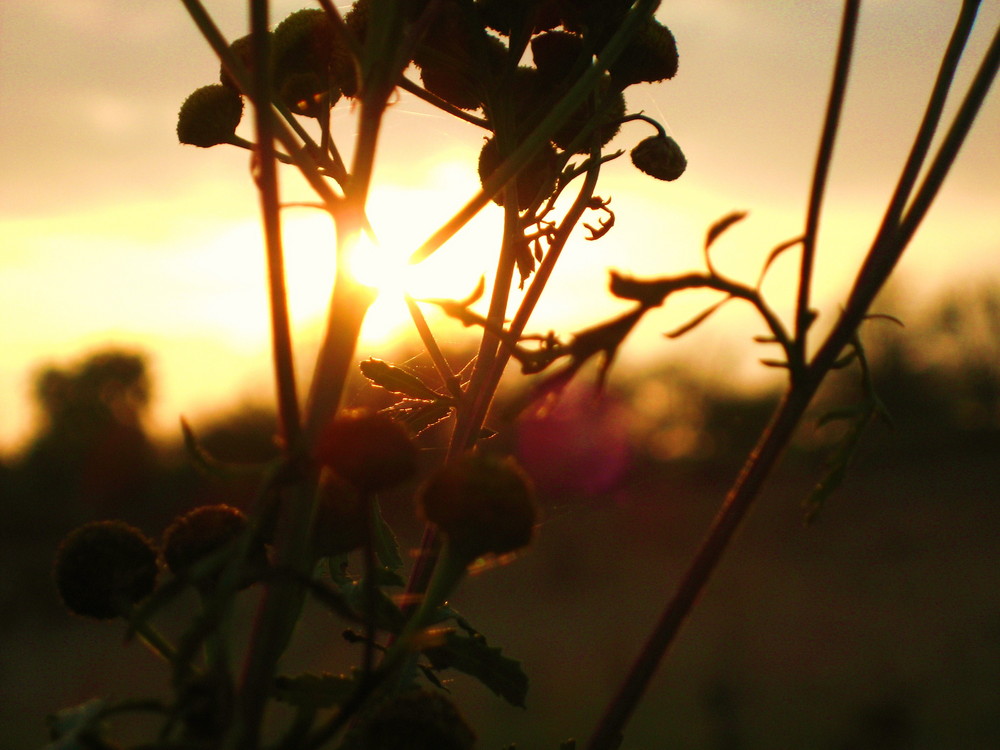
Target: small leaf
x: 773, y: 255
x: 211, y: 466
x: 885, y: 316
x: 722, y: 225
x: 838, y: 415
x: 697, y: 320
x: 386, y: 546
x: 473, y: 656
x: 314, y: 690
x: 397, y: 380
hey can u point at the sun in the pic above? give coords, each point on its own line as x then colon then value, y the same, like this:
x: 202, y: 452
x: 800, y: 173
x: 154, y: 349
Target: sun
x: 402, y: 216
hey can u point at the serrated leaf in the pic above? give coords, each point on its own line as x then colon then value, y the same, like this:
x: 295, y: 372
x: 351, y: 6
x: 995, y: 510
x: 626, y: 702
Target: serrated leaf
x: 323, y: 690
x: 473, y: 656
x: 397, y: 380
x: 721, y: 226
x: 422, y: 415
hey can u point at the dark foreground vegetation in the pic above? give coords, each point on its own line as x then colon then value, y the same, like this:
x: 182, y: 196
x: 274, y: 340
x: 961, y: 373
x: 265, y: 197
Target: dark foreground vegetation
x: 877, y: 625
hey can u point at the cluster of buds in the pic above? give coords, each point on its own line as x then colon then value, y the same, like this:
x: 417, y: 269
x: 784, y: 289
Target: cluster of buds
x: 464, y: 60
x: 104, y: 569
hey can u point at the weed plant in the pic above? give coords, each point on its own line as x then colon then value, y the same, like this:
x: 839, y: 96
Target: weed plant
x: 315, y: 528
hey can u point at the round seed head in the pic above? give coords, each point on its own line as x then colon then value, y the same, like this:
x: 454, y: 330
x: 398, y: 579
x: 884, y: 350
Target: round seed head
x: 537, y: 177
x: 659, y: 157
x: 311, y: 62
x: 603, y: 112
x: 203, y: 531
x: 367, y: 449
x: 242, y: 49
x: 103, y: 568
x: 555, y: 53
x: 652, y: 56
x: 209, y: 116
x: 483, y: 504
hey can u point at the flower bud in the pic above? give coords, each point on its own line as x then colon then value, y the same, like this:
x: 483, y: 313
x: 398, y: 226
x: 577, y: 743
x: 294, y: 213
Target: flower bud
x: 209, y: 116
x: 103, y: 568
x: 660, y: 157
x: 242, y: 50
x: 483, y: 504
x: 311, y: 62
x: 652, y: 56
x: 367, y: 449
x: 537, y: 177
x: 203, y: 531
x: 417, y: 720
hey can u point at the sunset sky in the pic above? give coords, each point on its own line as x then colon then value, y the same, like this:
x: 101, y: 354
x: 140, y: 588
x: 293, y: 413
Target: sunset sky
x: 113, y: 233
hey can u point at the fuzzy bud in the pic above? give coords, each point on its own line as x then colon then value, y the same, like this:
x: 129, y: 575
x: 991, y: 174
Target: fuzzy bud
x: 652, y: 56
x: 209, y: 116
x: 483, y: 504
x: 203, y: 531
x: 537, y: 177
x: 660, y: 157
x: 103, y: 568
x: 418, y: 720
x: 367, y: 449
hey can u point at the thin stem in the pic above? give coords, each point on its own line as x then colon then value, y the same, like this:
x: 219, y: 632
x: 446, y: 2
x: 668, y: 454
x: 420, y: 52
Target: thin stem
x: 932, y: 116
x: 787, y: 416
x: 765, y: 456
x: 421, y: 93
x: 303, y: 157
x: 267, y: 185
x: 370, y: 591
x: 448, y: 377
x: 888, y: 247
x: 838, y: 90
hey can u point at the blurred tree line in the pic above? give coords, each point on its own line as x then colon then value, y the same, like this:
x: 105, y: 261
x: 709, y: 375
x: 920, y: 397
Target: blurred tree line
x: 92, y: 458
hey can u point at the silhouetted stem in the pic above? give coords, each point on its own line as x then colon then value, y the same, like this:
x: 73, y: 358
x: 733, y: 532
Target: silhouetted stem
x: 302, y: 157
x: 746, y: 488
x: 267, y: 185
x: 838, y: 89
x: 881, y: 259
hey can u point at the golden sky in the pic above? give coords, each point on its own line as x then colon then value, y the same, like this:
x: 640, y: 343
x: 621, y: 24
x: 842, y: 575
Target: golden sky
x: 112, y: 232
